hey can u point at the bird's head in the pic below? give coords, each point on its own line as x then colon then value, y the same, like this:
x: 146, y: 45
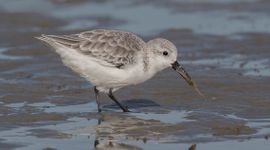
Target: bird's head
x: 164, y: 52
x: 165, y: 55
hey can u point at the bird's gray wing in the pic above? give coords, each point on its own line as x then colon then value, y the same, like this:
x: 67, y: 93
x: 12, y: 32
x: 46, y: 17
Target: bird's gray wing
x: 116, y: 48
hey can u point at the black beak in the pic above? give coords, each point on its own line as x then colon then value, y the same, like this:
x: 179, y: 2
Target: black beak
x: 182, y: 72
x: 179, y: 69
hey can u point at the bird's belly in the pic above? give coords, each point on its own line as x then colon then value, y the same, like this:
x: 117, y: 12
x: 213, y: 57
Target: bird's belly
x: 97, y: 74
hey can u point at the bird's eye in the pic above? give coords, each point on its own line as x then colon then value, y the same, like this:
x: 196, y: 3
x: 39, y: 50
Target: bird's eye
x: 165, y: 53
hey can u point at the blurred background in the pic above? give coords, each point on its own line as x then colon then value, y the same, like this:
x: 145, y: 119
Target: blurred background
x: 223, y: 44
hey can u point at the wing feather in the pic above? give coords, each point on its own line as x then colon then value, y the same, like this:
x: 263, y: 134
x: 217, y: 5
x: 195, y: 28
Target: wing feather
x: 117, y: 48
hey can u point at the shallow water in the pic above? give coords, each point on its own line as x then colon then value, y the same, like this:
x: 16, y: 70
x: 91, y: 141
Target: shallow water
x: 224, y: 45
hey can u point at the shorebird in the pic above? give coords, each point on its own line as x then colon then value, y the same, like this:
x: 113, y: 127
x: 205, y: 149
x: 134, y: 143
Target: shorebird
x: 112, y: 59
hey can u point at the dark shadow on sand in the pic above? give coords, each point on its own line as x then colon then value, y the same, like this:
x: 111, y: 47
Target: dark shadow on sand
x: 134, y: 104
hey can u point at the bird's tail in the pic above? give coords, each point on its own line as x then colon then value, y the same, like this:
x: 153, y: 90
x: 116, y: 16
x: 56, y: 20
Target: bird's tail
x: 48, y: 41
x: 70, y: 41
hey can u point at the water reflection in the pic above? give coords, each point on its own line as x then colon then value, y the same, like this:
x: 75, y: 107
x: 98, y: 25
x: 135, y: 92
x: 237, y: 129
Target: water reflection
x: 112, y: 133
x: 132, y: 131
x: 108, y: 143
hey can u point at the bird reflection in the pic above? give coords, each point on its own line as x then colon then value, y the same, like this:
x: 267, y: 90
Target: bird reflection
x: 110, y: 145
x: 114, y: 129
x: 101, y: 143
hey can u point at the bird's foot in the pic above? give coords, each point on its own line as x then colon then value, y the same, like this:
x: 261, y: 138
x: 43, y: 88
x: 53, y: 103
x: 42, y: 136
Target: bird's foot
x: 125, y: 109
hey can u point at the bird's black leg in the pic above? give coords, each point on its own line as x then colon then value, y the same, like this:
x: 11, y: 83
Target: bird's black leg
x: 125, y: 109
x: 96, y: 95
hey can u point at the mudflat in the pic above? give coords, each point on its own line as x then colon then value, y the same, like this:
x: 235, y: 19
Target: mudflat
x: 224, y: 46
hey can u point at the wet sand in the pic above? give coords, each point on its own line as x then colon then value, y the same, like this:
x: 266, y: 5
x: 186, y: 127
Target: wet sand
x: 223, y: 45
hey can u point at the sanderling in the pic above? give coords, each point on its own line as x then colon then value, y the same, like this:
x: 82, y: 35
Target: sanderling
x: 112, y: 59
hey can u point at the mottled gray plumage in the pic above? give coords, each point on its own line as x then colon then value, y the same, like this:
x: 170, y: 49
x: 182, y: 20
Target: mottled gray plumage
x: 117, y: 48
